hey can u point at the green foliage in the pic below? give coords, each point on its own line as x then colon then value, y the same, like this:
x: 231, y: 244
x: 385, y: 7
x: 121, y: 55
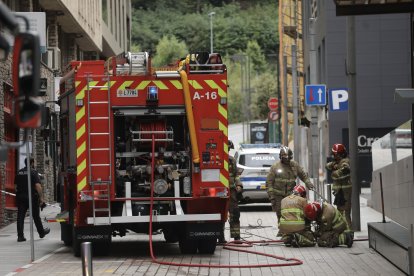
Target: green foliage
x: 169, y: 50
x: 169, y: 29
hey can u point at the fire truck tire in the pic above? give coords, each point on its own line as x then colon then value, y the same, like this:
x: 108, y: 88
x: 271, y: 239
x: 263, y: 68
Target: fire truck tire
x: 66, y: 233
x: 101, y: 248
x: 170, y: 236
x: 207, y: 246
x: 188, y: 246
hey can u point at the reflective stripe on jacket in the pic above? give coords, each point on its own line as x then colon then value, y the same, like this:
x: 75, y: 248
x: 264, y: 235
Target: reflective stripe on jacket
x: 331, y: 219
x: 281, y: 178
x: 293, y: 218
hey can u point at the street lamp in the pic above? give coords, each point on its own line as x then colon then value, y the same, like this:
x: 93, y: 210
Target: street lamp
x: 211, y: 30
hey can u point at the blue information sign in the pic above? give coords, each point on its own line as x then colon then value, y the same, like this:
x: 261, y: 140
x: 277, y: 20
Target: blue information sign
x: 315, y: 94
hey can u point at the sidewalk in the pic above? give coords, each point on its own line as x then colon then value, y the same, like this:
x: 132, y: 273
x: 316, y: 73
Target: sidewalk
x: 52, y: 257
x: 14, y: 255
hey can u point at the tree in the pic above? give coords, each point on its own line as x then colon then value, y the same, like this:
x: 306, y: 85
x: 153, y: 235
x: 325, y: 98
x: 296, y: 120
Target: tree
x: 265, y: 87
x: 169, y: 50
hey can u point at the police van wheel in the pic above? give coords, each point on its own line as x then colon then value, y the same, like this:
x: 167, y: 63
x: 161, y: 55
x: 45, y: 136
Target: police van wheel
x: 207, y: 246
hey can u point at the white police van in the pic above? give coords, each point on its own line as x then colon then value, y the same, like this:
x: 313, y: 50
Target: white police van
x: 256, y: 160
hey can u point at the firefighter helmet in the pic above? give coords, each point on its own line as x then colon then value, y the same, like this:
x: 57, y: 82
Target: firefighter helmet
x: 339, y: 150
x: 299, y: 190
x: 312, y: 210
x: 285, y: 153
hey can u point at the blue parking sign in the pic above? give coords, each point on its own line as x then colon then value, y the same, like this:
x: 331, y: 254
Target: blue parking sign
x: 338, y: 99
x: 315, y: 94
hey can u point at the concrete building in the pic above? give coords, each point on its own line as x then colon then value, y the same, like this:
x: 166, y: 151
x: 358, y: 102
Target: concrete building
x: 69, y: 30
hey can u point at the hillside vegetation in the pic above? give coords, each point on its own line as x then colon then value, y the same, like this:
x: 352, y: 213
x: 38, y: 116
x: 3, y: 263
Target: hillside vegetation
x: 244, y: 33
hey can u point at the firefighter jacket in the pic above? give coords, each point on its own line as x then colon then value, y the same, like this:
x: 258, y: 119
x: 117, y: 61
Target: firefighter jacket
x: 233, y: 177
x: 293, y: 217
x: 341, y: 174
x: 331, y: 219
x: 282, y: 178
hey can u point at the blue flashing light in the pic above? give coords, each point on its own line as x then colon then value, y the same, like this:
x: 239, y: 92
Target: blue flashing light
x: 152, y: 93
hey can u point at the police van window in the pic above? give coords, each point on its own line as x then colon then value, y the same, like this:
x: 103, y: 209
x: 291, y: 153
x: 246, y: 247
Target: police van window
x: 259, y: 159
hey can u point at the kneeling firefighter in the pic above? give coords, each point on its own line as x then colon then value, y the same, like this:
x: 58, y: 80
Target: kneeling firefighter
x: 295, y: 227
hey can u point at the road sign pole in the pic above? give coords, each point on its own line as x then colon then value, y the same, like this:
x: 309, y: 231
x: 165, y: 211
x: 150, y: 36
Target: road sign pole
x: 314, y: 160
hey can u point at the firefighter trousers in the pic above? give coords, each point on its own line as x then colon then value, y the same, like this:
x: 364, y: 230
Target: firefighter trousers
x: 234, y: 214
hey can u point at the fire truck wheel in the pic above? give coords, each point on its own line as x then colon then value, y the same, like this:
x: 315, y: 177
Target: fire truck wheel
x: 170, y: 236
x: 207, y: 246
x: 101, y: 248
x: 66, y: 230
x: 188, y: 246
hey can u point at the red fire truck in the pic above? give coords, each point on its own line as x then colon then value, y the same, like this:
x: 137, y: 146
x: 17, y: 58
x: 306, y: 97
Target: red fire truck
x: 141, y: 144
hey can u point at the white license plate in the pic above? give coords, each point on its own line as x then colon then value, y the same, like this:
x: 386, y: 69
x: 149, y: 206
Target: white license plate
x: 127, y: 93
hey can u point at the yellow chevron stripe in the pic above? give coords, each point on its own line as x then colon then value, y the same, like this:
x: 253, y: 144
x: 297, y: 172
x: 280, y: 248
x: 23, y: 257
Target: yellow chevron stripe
x: 223, y: 128
x: 160, y: 84
x: 82, y: 184
x: 81, y: 167
x: 177, y: 84
x: 226, y: 165
x: 81, y: 93
x: 226, y: 148
x: 106, y: 85
x: 125, y: 84
x: 195, y: 84
x: 80, y: 114
x: 77, y: 83
x: 142, y: 85
x: 81, y: 149
x: 224, y: 180
x: 224, y: 81
x: 222, y: 111
x: 80, y: 132
x: 214, y: 85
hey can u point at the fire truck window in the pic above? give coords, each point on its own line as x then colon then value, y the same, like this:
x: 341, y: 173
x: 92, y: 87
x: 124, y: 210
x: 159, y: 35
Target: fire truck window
x: 209, y: 124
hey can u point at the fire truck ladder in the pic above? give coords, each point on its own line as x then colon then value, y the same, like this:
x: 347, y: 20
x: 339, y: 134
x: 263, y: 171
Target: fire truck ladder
x: 99, y: 125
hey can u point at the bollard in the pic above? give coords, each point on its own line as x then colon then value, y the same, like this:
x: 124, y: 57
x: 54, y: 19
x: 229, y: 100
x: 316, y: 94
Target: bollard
x: 86, y: 254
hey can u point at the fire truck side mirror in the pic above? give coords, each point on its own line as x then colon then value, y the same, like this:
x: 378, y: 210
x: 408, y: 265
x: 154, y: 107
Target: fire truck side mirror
x: 26, y: 80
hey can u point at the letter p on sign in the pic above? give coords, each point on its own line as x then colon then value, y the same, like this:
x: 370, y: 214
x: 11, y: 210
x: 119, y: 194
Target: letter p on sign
x: 338, y: 100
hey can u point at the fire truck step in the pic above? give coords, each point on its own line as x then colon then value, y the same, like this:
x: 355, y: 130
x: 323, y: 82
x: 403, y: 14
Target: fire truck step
x: 102, y: 210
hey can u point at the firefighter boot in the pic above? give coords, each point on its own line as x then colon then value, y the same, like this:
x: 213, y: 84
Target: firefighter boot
x: 349, y: 239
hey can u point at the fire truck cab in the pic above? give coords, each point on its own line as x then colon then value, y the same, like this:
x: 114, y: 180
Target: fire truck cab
x: 144, y: 149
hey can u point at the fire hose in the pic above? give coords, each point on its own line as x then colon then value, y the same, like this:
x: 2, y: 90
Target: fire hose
x: 228, y: 246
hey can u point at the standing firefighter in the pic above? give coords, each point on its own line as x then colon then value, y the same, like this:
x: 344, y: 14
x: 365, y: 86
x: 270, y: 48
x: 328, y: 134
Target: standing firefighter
x: 236, y: 188
x: 341, y: 176
x: 282, y: 179
x: 293, y: 224
x: 332, y: 228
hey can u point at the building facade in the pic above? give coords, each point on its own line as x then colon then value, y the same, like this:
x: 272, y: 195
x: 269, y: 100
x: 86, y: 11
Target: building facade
x: 72, y: 30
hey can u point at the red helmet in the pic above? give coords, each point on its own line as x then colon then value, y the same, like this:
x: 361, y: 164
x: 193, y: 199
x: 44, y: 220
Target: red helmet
x: 299, y: 190
x: 339, y: 149
x: 312, y: 210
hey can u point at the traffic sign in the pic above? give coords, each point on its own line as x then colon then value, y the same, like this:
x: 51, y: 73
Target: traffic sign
x: 273, y: 115
x: 338, y: 99
x: 273, y: 103
x: 315, y: 94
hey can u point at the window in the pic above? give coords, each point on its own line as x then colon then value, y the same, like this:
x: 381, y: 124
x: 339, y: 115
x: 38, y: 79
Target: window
x: 105, y: 11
